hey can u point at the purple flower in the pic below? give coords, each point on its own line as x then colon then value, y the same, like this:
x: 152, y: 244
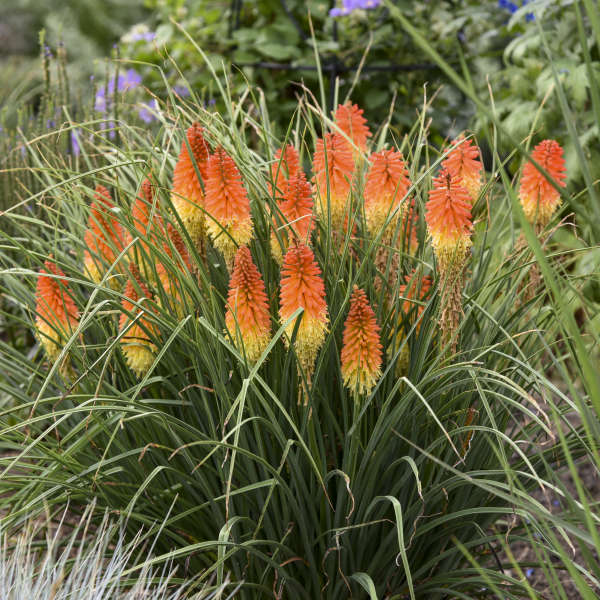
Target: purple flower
x: 142, y: 36
x: 147, y: 111
x: 100, y: 103
x: 181, y: 90
x: 76, y: 148
x: 110, y: 126
x: 528, y: 572
x: 128, y: 80
x: 350, y: 5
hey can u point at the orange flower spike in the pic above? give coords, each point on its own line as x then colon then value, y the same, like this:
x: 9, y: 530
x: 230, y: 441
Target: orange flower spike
x: 333, y: 169
x: 247, y: 315
x: 538, y: 196
x: 228, y: 204
x: 186, y: 194
x: 463, y: 161
x: 302, y: 287
x: 165, y: 276
x: 448, y: 217
x: 283, y: 168
x: 361, y: 348
x: 386, y: 187
x: 135, y: 343
x: 297, y: 213
x: 349, y: 118
x: 57, y: 316
x: 103, y: 237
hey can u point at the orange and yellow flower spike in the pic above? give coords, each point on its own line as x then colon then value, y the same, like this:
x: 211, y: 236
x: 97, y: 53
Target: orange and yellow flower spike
x: 56, y: 314
x: 247, y: 315
x: 228, y: 204
x: 333, y: 169
x: 172, y: 288
x: 285, y: 165
x: 463, y: 162
x: 361, y: 347
x: 186, y: 194
x: 135, y: 343
x: 448, y: 217
x: 386, y: 187
x: 302, y: 287
x: 297, y: 212
x: 148, y: 225
x: 538, y: 196
x: 349, y: 118
x: 103, y: 237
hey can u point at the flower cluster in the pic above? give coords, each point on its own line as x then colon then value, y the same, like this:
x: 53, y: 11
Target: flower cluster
x: 364, y: 196
x: 349, y: 6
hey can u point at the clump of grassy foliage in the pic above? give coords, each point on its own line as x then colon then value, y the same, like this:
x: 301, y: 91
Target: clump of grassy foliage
x: 382, y: 495
x: 62, y: 559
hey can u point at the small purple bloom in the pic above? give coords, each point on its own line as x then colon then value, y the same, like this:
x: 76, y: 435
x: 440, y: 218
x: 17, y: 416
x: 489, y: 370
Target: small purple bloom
x: 50, y: 123
x: 100, y: 103
x: 128, y: 80
x: 147, y: 111
x: 211, y: 102
x: 528, y: 572
x: 75, y: 142
x: 350, y: 5
x: 143, y: 36
x: 181, y: 90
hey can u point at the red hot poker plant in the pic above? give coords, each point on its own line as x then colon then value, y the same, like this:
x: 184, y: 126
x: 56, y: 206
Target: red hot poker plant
x: 103, y: 237
x: 463, y: 163
x: 247, y: 315
x: 186, y: 194
x: 228, y: 205
x: 333, y: 169
x: 302, y: 287
x: 361, y: 348
x: 448, y: 217
x: 135, y: 343
x: 297, y: 212
x: 56, y: 314
x: 538, y: 196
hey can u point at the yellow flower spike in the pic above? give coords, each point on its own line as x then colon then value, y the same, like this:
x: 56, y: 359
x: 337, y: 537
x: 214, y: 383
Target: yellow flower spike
x: 538, y: 196
x: 361, y: 347
x: 302, y: 287
x: 247, y: 315
x: 186, y: 194
x: 135, y: 343
x: 56, y: 314
x: 333, y: 169
x: 449, y: 222
x: 463, y: 162
x: 228, y: 204
x: 103, y: 237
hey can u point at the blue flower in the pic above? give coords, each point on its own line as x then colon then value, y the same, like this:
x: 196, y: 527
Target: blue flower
x: 146, y: 36
x: 147, y: 111
x: 128, y: 80
x: 350, y: 5
x: 529, y: 572
x: 76, y: 148
x: 181, y: 90
x: 513, y: 7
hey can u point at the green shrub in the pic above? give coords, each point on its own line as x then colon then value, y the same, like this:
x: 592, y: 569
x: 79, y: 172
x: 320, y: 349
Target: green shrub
x: 380, y: 492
